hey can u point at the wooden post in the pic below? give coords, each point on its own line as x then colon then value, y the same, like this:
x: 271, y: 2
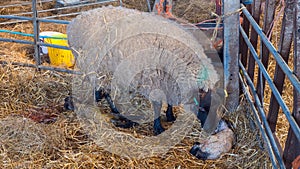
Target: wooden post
x: 243, y: 46
x: 231, y: 52
x: 292, y: 145
x: 268, y: 19
x: 218, y: 7
x: 284, y: 47
x: 256, y: 10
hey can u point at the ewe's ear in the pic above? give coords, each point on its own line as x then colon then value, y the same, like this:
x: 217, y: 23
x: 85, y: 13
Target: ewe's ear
x: 202, y: 115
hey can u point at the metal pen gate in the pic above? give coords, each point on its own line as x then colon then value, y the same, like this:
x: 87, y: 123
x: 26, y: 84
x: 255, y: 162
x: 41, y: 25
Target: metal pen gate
x: 59, y: 5
x: 255, y: 95
x: 239, y: 68
x: 246, y: 62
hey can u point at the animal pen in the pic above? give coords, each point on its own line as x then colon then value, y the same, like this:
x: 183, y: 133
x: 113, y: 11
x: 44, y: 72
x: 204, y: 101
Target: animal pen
x: 246, y: 69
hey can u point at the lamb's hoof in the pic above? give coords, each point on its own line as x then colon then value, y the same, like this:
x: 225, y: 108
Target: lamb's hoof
x: 171, y: 118
x: 169, y: 114
x: 99, y: 94
x: 69, y: 105
x: 123, y: 124
x: 158, y: 130
x: 198, y: 153
x: 121, y: 121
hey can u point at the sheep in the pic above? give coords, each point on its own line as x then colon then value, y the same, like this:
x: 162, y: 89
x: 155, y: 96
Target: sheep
x: 130, y: 52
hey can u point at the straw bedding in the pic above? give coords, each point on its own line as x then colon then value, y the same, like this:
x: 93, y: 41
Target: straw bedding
x: 36, y: 132
x: 64, y: 143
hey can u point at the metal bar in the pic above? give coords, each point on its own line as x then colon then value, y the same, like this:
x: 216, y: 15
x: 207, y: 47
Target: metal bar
x: 54, y: 46
x: 16, y: 17
x: 40, y: 19
x: 278, y: 97
x: 263, y: 117
x: 62, y: 15
x: 149, y: 6
x: 77, y: 3
x: 32, y: 43
x: 294, y: 80
x: 36, y: 30
x: 256, y: 10
x: 41, y: 67
x: 231, y: 52
x: 53, y: 21
x: 13, y: 22
x: 46, y: 19
x: 17, y: 41
x: 68, y: 7
x: 284, y: 47
x: 16, y: 33
x: 258, y: 121
x: 23, y: 4
x: 209, y: 25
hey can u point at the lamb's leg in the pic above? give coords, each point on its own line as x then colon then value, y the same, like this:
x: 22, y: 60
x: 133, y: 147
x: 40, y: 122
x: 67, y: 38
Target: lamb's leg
x: 100, y: 94
x: 69, y: 105
x: 120, y: 120
x: 157, y: 124
x: 169, y: 114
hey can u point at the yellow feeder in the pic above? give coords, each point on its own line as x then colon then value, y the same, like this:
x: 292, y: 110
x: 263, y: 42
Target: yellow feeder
x: 58, y: 57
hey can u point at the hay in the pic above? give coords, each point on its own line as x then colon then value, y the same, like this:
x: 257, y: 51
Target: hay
x: 27, y: 88
x: 22, y: 143
x: 66, y: 144
x: 194, y: 10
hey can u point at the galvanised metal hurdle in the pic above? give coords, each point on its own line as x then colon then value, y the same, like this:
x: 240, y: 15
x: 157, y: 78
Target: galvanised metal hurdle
x: 49, y: 19
x: 238, y: 71
x: 255, y: 95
